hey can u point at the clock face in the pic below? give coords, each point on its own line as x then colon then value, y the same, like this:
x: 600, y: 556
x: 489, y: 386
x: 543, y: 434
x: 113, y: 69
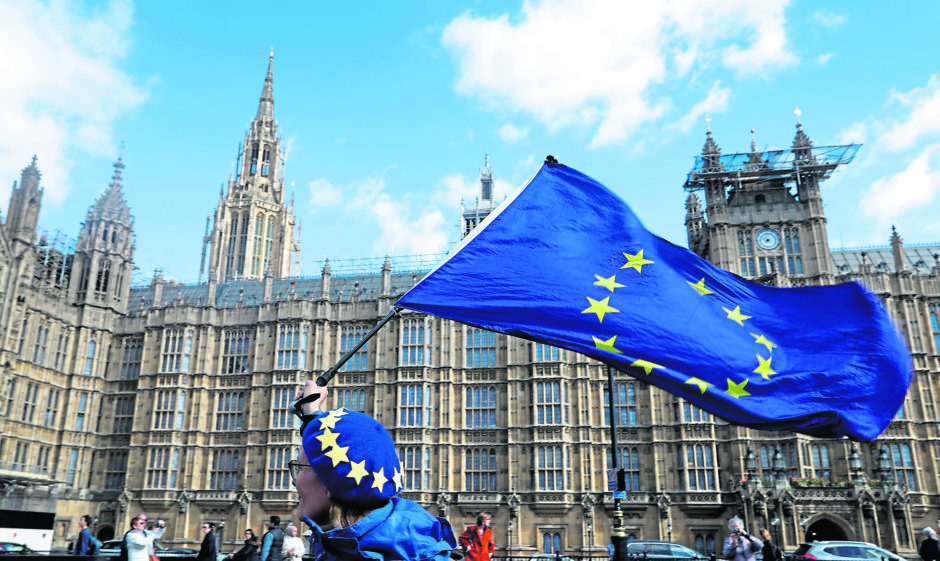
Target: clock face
x: 768, y: 239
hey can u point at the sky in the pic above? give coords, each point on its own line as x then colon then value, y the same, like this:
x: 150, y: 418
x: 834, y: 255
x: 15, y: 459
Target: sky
x: 387, y: 109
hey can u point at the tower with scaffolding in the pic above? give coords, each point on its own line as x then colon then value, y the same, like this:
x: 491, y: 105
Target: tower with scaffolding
x: 763, y: 215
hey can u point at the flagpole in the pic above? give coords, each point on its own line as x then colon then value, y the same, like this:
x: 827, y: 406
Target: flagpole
x: 325, y: 378
x: 618, y: 536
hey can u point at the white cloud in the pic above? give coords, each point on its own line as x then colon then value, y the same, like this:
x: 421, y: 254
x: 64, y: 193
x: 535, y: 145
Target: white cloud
x: 824, y: 59
x: 511, y: 133
x: 456, y: 188
x: 829, y: 19
x: 62, y: 87
x: 924, y: 119
x: 404, y: 226
x: 715, y: 102
x: 911, y: 188
x: 596, y: 64
x: 856, y: 133
x: 400, y: 232
x: 324, y: 194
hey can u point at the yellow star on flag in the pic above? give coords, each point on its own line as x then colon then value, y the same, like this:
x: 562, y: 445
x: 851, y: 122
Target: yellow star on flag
x: 338, y: 455
x: 636, y: 261
x: 736, y: 315
x: 737, y: 390
x: 702, y: 384
x: 700, y: 287
x: 327, y: 439
x: 328, y: 421
x: 357, y: 470
x: 764, y: 369
x: 610, y: 283
x: 338, y: 412
x: 646, y: 365
x: 380, y: 479
x: 607, y: 345
x: 398, y: 478
x: 600, y: 307
x: 761, y: 340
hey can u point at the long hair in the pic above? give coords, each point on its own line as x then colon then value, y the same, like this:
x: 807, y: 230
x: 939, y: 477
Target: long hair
x: 343, y: 515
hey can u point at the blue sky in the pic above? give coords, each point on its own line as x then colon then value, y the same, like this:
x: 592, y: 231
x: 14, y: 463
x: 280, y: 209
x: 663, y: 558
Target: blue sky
x: 387, y: 108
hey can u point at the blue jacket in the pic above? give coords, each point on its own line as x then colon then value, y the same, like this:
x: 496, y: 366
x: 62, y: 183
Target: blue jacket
x: 399, y: 531
x: 83, y: 543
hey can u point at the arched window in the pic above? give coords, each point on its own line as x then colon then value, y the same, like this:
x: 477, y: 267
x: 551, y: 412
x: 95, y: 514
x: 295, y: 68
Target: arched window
x: 90, y: 358
x: 551, y: 542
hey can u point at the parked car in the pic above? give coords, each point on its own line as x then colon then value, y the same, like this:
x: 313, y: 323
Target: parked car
x: 823, y: 551
x: 653, y: 549
x: 548, y: 557
x: 113, y: 547
x: 10, y: 548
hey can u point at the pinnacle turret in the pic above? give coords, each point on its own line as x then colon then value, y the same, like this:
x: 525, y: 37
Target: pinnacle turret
x: 486, y: 180
x: 711, y: 153
x: 112, y: 204
x: 266, y: 103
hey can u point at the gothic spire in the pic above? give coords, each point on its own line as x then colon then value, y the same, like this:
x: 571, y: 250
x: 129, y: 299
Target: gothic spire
x: 112, y: 201
x: 266, y: 104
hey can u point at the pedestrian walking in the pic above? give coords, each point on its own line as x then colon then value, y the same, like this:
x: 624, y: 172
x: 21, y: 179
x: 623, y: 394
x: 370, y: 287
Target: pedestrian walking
x: 769, y: 551
x: 207, y: 549
x: 272, y: 544
x: 294, y: 549
x: 929, y: 549
x: 84, y: 544
x: 250, y: 550
x: 477, y: 540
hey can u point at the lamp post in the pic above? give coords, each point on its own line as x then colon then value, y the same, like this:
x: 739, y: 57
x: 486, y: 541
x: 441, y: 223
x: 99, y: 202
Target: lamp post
x: 509, y: 530
x: 885, y: 470
x: 775, y: 522
x: 857, y: 467
x: 750, y: 468
x: 779, y: 464
x: 750, y: 464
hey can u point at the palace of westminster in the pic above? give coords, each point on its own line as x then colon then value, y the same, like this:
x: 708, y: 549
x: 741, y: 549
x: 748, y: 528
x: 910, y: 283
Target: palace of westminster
x: 172, y: 399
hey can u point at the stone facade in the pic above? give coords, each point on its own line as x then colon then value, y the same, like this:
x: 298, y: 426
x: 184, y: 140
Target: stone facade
x: 172, y: 399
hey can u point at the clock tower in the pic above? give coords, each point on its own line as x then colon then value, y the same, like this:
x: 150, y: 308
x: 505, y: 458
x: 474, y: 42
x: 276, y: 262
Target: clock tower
x: 763, y: 217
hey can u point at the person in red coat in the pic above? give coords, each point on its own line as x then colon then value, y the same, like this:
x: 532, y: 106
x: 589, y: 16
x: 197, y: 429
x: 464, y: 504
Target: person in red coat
x: 477, y: 540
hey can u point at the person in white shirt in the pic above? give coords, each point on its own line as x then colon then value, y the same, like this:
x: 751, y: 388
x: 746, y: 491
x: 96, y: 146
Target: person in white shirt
x: 293, y: 545
x: 139, y: 540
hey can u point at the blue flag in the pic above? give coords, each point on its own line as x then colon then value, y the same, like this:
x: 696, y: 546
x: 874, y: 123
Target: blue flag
x: 566, y: 262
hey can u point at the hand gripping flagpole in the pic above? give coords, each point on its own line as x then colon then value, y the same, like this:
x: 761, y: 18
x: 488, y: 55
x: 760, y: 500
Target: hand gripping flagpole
x: 325, y: 378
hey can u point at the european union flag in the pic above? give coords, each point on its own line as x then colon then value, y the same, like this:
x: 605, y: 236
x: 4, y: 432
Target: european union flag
x: 567, y: 263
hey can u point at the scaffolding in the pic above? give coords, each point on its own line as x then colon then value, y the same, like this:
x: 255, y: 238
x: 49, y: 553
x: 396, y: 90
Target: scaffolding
x: 54, y: 254
x: 750, y: 167
x: 373, y: 265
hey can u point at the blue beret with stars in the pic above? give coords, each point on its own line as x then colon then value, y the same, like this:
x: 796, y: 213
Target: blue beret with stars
x: 354, y: 457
